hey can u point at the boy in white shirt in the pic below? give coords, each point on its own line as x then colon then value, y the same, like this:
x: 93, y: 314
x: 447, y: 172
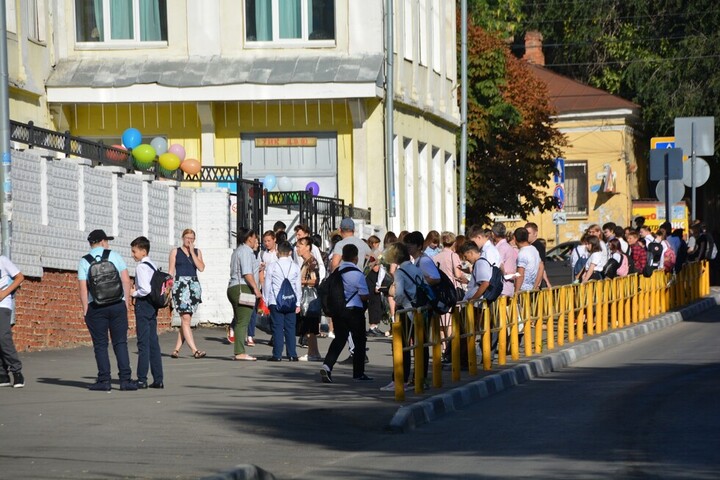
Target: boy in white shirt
x: 10, y: 280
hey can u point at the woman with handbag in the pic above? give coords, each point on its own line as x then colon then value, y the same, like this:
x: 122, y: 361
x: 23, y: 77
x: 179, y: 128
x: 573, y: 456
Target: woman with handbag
x: 310, y: 309
x: 244, y: 287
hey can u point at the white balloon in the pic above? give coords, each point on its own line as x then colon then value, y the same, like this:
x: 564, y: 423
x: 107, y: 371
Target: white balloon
x: 285, y: 184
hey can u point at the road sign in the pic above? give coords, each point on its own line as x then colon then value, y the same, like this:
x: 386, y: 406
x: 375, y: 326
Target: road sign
x: 702, y: 172
x: 658, y: 161
x: 559, y: 175
x: 559, y: 218
x: 559, y: 194
x: 662, y: 142
x: 677, y: 190
x: 695, y: 131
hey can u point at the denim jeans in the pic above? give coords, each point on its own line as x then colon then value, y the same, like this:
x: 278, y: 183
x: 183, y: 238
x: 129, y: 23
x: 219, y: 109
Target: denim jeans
x: 147, y: 341
x: 283, y: 332
x: 100, y: 320
x: 8, y: 354
x: 251, y: 325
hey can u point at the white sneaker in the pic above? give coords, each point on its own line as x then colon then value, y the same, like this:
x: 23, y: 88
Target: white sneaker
x: 331, y: 335
x: 310, y: 358
x: 390, y: 387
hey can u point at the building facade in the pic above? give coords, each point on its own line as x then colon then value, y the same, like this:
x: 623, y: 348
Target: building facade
x: 292, y: 89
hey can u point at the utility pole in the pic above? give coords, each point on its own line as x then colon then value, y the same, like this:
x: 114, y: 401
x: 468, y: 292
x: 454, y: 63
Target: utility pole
x: 463, y: 117
x: 5, y: 186
x: 389, y: 110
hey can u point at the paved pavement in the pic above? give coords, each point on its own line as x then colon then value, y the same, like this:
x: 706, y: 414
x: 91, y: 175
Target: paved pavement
x: 213, y: 414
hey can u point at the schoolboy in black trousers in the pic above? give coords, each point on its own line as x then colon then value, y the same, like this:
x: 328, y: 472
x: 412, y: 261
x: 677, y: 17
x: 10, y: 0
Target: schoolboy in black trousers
x: 145, y: 317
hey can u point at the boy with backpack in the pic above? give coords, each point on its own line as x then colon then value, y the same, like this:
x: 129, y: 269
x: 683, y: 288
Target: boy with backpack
x: 282, y: 293
x: 104, y: 286
x: 146, y: 317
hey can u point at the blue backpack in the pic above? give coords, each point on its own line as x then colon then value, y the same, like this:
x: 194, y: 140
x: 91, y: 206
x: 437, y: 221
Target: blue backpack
x: 285, y: 298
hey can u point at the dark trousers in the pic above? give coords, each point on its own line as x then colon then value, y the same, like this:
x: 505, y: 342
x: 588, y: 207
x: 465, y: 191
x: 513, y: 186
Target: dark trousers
x: 352, y: 321
x: 147, y: 341
x: 8, y: 355
x: 283, y: 325
x: 100, y: 320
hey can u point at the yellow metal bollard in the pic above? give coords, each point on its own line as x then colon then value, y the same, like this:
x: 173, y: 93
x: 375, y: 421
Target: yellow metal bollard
x: 538, y: 326
x: 527, y: 322
x: 571, y: 289
x: 397, y: 353
x: 590, y: 305
x: 436, y: 351
x: 503, y: 331
x: 471, y: 339
x: 514, y: 326
x: 551, y: 297
x: 612, y: 298
x: 604, y: 301
x: 455, y: 342
x: 581, y: 306
x: 562, y: 312
x: 419, y: 329
x: 486, y: 343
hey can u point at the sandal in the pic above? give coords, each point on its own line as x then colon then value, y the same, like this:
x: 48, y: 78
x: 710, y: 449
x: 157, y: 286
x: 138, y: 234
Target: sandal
x: 198, y: 354
x: 175, y: 354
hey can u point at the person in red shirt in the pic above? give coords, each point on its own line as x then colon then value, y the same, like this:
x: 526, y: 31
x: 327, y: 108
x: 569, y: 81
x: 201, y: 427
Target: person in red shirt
x: 637, y: 251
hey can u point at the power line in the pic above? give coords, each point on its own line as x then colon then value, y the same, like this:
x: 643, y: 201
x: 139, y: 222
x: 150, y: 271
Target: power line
x: 615, y: 40
x: 626, y: 62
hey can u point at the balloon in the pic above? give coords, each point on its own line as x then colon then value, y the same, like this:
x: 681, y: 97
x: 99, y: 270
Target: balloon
x: 169, y: 161
x: 131, y: 138
x: 143, y: 155
x: 314, y: 188
x: 285, y: 184
x: 190, y: 166
x: 159, y: 144
x: 178, y: 150
x: 269, y: 182
x: 114, y: 156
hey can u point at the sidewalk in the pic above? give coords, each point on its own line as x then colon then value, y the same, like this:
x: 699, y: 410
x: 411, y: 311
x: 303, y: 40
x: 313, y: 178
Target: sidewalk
x: 215, y: 412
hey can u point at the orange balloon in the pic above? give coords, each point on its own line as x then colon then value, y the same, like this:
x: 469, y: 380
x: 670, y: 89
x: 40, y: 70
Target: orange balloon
x: 190, y: 166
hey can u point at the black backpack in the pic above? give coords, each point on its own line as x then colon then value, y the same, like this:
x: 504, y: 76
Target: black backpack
x: 103, y: 280
x: 331, y: 292
x: 285, y: 298
x: 424, y: 295
x: 161, y: 285
x: 654, y: 255
x: 496, y: 283
x: 580, y: 264
x: 445, y: 294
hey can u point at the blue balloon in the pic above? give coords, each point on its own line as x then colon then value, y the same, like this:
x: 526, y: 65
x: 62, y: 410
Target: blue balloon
x: 131, y: 138
x: 269, y: 182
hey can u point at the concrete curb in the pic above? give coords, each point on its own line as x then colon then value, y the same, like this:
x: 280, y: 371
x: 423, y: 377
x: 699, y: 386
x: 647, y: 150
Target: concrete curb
x: 409, y: 417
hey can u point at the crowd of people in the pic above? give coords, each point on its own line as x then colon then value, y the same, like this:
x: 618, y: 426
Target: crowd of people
x: 282, y: 281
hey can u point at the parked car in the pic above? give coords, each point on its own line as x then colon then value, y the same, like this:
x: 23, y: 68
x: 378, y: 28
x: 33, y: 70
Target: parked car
x: 558, y: 263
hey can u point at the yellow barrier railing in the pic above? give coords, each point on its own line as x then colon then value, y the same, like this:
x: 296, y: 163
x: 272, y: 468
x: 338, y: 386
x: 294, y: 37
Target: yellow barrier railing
x: 542, y: 319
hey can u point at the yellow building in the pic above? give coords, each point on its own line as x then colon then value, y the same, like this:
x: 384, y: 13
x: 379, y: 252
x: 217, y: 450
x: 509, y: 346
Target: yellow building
x: 602, y: 175
x: 291, y: 89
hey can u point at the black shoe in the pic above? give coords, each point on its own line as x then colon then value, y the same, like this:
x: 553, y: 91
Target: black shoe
x: 141, y: 385
x: 5, y: 381
x: 347, y: 361
x: 375, y: 332
x: 363, y: 378
x: 18, y: 380
x: 326, y: 375
x: 274, y: 359
x: 128, y: 386
x: 156, y: 385
x: 100, y: 387
x: 294, y: 359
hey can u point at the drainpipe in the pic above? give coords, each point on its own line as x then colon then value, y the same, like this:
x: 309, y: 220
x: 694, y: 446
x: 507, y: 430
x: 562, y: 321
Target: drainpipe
x: 389, y: 108
x: 463, y: 116
x: 5, y: 186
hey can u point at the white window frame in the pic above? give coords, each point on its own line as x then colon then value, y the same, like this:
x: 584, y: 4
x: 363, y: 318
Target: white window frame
x: 36, y: 20
x: 109, y: 43
x: 278, y: 42
x: 408, y: 24
x: 437, y: 36
x: 584, y: 164
x: 423, y: 32
x: 10, y: 16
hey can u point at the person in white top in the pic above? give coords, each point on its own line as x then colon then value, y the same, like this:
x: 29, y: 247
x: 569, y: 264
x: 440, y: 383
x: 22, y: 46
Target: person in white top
x: 10, y: 280
x: 303, y: 231
x: 528, y: 262
x: 283, y: 322
x: 481, y: 237
x: 596, y: 262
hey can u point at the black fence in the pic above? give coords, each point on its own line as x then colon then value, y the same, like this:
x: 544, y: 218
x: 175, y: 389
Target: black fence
x: 98, y: 153
x: 321, y: 214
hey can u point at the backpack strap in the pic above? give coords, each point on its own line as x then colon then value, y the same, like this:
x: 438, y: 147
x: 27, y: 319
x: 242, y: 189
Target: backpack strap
x: 105, y: 254
x: 150, y: 265
x: 340, y: 272
x: 89, y: 258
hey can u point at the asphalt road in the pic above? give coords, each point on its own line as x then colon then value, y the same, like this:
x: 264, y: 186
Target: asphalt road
x: 647, y: 409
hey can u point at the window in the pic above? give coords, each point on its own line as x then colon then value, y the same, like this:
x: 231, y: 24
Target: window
x: 576, y: 189
x: 10, y: 18
x: 36, y: 20
x: 290, y: 21
x: 121, y: 21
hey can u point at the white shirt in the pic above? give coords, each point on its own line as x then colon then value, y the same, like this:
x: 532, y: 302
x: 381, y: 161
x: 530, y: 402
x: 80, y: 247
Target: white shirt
x: 275, y: 274
x: 143, y: 275
x: 529, y: 259
x: 8, y: 271
x: 491, y: 253
x: 598, y: 259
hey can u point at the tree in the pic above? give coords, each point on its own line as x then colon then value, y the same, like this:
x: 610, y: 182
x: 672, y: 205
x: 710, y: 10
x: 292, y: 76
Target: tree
x: 511, y: 140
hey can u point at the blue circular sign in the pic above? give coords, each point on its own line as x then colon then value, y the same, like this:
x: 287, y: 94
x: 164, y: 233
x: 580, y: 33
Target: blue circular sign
x: 559, y: 194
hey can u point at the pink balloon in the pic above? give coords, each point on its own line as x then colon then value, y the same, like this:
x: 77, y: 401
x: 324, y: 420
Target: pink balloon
x: 178, y: 150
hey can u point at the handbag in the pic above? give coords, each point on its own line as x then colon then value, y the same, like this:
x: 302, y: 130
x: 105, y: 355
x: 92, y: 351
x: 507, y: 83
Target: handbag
x: 264, y: 324
x: 310, y: 303
x: 247, y: 299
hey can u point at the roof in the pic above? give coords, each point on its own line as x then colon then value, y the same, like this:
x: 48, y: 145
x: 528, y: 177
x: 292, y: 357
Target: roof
x: 215, y: 71
x: 568, y: 96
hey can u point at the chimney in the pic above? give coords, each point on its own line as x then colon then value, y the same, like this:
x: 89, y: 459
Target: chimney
x: 533, y: 48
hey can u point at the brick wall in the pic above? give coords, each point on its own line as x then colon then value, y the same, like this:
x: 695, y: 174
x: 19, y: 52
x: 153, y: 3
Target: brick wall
x: 48, y: 313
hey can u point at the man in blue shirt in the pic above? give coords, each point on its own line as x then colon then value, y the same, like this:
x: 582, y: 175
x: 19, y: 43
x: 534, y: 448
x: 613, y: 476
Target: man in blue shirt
x: 108, y: 317
x: 352, y: 321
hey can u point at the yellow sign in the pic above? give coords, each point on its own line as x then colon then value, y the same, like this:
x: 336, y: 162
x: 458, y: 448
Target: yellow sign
x: 286, y: 142
x: 654, y: 213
